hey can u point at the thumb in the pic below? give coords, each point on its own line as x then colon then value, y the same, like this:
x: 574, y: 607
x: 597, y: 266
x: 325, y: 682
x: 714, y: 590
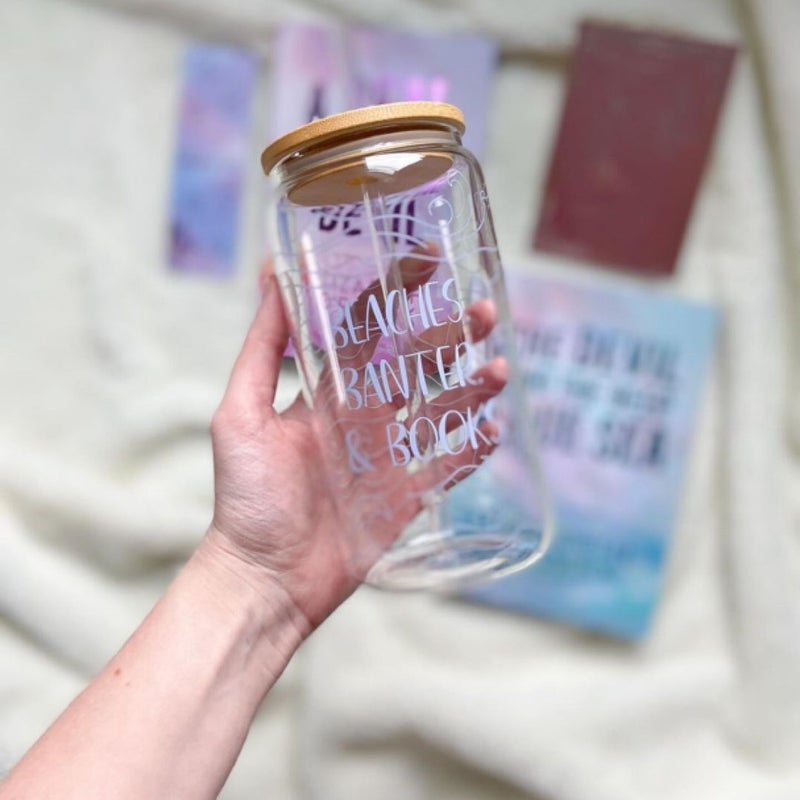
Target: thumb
x: 254, y: 378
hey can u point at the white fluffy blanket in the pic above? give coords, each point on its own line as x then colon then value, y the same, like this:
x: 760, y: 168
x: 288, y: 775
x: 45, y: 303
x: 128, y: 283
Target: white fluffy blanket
x: 111, y: 367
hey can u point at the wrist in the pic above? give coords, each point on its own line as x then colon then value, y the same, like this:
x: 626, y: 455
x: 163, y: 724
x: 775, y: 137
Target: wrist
x: 243, y: 588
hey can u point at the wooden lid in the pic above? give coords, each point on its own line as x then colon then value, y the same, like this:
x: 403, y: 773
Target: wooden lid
x: 362, y: 121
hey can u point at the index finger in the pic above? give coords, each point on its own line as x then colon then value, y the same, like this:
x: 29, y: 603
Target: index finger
x: 408, y: 273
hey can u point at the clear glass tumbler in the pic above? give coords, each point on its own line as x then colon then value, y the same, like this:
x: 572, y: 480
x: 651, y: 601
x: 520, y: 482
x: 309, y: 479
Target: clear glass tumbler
x: 386, y: 256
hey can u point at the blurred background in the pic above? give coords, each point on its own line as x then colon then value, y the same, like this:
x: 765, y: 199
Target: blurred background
x: 132, y: 239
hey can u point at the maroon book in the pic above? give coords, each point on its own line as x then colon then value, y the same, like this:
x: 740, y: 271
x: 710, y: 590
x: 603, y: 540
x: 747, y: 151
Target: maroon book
x: 636, y: 128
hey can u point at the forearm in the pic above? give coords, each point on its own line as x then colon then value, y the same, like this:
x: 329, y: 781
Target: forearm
x: 169, y: 714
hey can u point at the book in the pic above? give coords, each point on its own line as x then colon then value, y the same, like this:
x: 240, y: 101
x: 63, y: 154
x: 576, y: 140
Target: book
x: 613, y: 378
x: 323, y: 70
x: 636, y: 129
x: 212, y: 141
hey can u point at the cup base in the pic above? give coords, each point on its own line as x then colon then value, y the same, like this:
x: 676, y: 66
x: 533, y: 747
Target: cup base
x: 443, y: 561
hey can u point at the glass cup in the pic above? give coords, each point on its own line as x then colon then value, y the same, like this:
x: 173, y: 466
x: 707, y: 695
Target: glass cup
x: 390, y: 275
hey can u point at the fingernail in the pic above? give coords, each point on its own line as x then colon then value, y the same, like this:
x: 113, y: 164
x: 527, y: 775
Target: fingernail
x: 268, y: 281
x: 475, y: 324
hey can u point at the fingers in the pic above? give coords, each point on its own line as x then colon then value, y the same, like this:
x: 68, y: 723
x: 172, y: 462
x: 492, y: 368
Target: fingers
x: 480, y: 317
x: 485, y: 383
x: 408, y: 274
x: 455, y: 422
x: 254, y: 377
x: 449, y: 469
x: 380, y: 514
x: 440, y: 346
x: 455, y: 414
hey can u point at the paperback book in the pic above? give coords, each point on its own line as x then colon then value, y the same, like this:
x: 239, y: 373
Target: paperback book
x: 613, y: 378
x: 637, y: 129
x: 326, y: 70
x: 212, y: 147
x: 323, y: 70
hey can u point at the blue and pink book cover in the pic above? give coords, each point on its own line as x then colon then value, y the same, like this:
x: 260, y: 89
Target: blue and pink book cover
x: 322, y: 70
x: 614, y: 377
x: 318, y: 70
x: 213, y: 138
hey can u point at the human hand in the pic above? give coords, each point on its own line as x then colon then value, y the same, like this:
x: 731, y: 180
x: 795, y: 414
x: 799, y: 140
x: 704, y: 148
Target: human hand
x: 284, y: 504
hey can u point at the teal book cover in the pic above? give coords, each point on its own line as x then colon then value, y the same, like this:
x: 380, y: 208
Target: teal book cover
x: 614, y: 376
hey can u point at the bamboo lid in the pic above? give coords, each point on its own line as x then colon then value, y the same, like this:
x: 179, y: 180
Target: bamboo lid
x: 362, y: 121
